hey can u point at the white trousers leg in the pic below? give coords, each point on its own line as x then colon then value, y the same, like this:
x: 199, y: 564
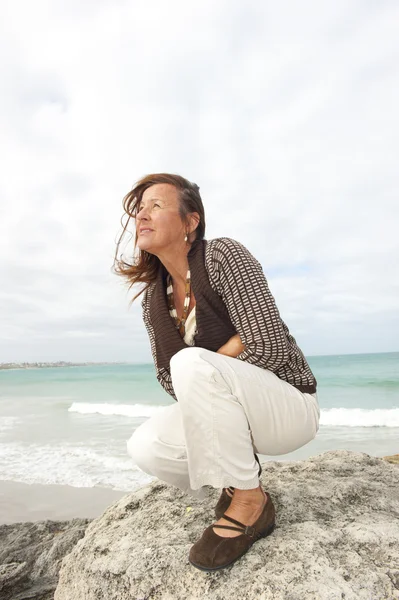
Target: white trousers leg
x: 227, y: 409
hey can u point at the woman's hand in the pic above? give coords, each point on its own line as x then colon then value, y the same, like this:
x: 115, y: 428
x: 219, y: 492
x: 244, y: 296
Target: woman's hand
x: 233, y: 347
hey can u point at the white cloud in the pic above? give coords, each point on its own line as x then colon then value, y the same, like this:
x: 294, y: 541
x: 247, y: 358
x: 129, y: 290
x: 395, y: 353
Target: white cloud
x: 283, y: 113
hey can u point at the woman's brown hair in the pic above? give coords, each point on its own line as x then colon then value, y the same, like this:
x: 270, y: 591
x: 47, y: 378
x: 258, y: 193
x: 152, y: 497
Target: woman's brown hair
x: 145, y: 265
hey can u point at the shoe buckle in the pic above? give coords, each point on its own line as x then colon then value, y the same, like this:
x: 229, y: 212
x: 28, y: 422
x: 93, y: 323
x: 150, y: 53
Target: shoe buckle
x: 249, y: 530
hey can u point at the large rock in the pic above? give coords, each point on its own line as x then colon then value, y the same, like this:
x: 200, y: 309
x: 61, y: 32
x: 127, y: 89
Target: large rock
x: 337, y: 537
x: 31, y: 554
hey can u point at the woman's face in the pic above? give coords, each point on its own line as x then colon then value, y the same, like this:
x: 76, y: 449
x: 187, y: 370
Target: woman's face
x: 159, y: 212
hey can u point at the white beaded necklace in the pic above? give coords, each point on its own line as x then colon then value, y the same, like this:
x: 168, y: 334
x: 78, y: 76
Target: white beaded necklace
x: 179, y: 323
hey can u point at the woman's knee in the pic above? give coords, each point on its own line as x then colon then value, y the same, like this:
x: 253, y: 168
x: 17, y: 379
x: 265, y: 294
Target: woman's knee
x: 187, y: 365
x: 153, y: 451
x: 184, y: 358
x: 141, y: 449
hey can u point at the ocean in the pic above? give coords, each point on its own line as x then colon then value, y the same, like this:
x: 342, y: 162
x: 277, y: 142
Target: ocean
x: 69, y: 425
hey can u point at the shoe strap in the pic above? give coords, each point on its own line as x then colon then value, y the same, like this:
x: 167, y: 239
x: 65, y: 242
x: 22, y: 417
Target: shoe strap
x: 234, y: 521
x: 228, y: 527
x: 245, y: 529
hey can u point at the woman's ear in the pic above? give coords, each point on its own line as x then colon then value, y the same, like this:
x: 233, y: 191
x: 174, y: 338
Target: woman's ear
x: 194, y: 221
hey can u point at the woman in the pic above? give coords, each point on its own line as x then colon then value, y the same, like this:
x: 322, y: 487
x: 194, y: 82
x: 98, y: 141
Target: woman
x: 222, y: 351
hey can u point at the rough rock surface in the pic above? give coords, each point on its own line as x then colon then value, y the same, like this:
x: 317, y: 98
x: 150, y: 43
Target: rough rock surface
x: 31, y: 554
x: 337, y: 537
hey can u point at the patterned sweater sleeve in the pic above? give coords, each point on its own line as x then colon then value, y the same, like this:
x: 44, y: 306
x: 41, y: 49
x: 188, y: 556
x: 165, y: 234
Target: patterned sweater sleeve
x: 162, y: 375
x: 250, y: 304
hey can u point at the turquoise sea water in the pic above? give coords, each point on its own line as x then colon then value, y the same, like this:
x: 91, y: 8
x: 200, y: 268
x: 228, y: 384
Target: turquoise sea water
x: 69, y: 425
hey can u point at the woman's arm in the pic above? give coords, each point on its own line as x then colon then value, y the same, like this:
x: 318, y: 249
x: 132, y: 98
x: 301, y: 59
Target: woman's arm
x: 251, y: 306
x: 233, y: 347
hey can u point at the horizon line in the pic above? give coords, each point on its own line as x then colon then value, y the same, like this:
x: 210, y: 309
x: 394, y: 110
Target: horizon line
x: 121, y: 362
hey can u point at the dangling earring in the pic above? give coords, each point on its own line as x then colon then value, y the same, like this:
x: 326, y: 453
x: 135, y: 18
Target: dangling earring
x: 185, y: 239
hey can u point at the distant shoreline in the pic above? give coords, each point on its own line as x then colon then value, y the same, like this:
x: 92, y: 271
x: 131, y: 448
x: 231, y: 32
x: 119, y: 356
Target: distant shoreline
x: 44, y: 365
x: 62, y: 363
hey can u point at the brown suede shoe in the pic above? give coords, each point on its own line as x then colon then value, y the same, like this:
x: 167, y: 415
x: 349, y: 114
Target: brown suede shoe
x: 225, y: 500
x: 213, y: 552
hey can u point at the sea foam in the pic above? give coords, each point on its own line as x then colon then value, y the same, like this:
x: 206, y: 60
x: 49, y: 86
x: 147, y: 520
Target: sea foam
x: 330, y: 417
x: 7, y: 423
x: 59, y: 464
x: 126, y: 410
x: 360, y: 417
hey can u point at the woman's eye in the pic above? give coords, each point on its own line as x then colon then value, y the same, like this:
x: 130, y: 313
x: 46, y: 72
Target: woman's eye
x: 140, y: 207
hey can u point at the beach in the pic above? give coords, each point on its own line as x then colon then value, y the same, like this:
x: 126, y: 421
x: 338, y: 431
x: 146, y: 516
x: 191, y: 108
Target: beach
x: 63, y: 430
x: 21, y: 502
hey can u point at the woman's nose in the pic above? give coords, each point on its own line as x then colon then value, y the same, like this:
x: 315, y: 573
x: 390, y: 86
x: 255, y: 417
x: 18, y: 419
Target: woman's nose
x: 141, y: 218
x: 141, y: 213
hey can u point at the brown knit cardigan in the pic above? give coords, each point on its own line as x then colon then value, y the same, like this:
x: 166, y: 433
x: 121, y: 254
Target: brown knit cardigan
x: 232, y: 296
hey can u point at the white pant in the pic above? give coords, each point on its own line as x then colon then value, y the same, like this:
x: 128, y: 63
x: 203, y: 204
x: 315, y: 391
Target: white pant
x: 227, y: 409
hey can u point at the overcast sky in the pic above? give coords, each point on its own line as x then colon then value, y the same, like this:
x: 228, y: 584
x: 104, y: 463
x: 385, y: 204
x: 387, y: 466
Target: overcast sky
x: 284, y: 113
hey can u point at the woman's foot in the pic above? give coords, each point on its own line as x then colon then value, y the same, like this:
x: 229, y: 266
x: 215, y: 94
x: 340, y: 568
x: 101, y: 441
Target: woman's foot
x: 246, y: 506
x: 227, y: 494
